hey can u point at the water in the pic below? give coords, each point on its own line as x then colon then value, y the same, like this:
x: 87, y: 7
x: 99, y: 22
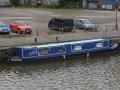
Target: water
x: 99, y: 72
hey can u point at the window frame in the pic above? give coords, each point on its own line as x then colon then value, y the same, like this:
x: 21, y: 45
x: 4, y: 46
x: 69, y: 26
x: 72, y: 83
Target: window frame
x: 99, y: 45
x: 73, y: 47
x: 63, y: 47
x: 39, y: 51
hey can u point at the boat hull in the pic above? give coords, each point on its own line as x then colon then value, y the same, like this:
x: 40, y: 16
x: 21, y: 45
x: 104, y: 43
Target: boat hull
x: 63, y: 50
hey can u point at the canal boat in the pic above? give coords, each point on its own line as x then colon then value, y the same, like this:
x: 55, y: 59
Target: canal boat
x: 62, y: 49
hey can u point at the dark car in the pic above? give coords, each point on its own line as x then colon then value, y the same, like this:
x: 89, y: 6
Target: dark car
x: 61, y: 23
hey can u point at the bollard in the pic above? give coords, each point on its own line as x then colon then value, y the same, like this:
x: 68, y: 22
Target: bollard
x: 35, y: 39
x: 95, y: 29
x: 57, y: 39
x: 88, y: 55
x: 64, y: 56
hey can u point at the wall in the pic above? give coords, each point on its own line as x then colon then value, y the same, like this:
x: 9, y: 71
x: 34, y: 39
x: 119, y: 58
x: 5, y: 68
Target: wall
x: 6, y: 53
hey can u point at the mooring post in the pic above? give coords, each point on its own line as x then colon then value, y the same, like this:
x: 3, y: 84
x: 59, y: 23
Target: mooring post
x: 64, y: 56
x: 35, y: 39
x: 57, y: 39
x: 88, y: 55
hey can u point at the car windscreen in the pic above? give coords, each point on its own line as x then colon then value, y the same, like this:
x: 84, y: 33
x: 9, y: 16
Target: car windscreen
x: 86, y: 22
x: 21, y: 23
x: 2, y: 25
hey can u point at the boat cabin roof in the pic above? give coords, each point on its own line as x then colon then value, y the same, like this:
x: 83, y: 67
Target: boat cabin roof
x: 62, y: 43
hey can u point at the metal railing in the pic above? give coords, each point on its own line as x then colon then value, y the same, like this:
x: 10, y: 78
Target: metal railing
x: 72, y: 5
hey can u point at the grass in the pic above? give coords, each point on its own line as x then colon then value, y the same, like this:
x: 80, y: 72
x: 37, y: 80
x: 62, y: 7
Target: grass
x: 14, y: 36
x: 57, y: 32
x: 62, y: 11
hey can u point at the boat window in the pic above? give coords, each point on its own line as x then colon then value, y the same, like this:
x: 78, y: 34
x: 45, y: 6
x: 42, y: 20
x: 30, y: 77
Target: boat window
x: 44, y: 51
x: 77, y: 47
x: 60, y: 49
x: 99, y: 45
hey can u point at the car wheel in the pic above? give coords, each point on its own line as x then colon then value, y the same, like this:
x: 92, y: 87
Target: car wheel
x: 50, y: 28
x: 69, y: 30
x: 19, y: 32
x: 8, y: 33
x: 11, y: 29
x: 84, y: 28
x: 23, y: 32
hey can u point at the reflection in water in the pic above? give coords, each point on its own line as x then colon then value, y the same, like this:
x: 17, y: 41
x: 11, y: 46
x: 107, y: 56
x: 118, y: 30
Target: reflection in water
x: 101, y: 72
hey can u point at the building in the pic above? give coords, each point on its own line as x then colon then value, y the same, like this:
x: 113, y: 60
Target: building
x: 31, y: 2
x: 99, y: 4
x: 5, y: 3
x: 108, y: 4
x: 50, y: 2
x: 90, y: 4
x: 38, y: 2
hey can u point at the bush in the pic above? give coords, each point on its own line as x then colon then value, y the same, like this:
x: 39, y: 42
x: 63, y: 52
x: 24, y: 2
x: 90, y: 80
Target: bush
x: 53, y: 5
x: 15, y: 2
x: 62, y: 2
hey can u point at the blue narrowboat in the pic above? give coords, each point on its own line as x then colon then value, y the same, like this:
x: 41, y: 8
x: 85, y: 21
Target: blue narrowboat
x: 63, y: 49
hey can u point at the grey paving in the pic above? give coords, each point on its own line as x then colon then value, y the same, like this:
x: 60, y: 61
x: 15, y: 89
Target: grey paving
x: 38, y: 19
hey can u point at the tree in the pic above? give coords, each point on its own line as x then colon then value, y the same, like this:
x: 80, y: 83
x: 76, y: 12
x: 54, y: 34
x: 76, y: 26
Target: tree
x: 15, y: 2
x: 61, y: 2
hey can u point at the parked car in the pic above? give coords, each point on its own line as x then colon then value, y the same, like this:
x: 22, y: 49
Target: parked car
x: 20, y: 27
x: 4, y: 29
x: 83, y: 24
x: 61, y: 22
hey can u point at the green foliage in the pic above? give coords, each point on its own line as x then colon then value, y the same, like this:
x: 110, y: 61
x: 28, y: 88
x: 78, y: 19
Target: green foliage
x: 62, y: 2
x: 51, y: 6
x: 15, y: 2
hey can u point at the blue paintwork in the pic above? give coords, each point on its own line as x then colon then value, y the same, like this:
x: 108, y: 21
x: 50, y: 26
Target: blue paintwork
x: 28, y: 53
x: 109, y: 2
x: 4, y: 28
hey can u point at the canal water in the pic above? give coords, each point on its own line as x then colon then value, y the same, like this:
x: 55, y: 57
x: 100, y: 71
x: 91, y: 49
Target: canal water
x: 99, y: 72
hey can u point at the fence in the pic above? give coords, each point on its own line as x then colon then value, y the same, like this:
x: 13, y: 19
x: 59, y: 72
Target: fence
x: 89, y: 5
x: 72, y: 4
x: 92, y: 5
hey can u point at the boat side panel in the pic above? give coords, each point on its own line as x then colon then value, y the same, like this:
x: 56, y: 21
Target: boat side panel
x: 19, y: 52
x: 68, y: 48
x: 29, y: 53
